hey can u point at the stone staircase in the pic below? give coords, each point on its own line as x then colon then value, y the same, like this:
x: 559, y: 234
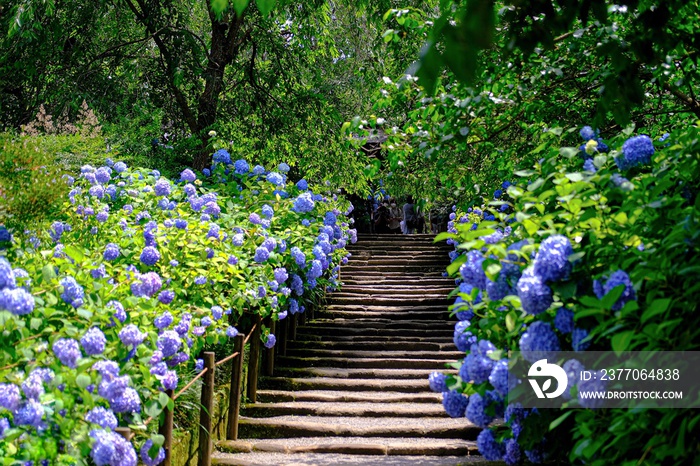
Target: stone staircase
x: 352, y: 387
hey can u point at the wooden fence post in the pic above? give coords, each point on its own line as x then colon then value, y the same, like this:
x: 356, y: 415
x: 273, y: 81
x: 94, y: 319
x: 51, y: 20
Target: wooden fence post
x: 124, y: 432
x: 254, y: 360
x: 206, y: 410
x: 166, y: 430
x: 270, y: 353
x: 234, y: 398
x: 282, y: 336
x: 293, y: 328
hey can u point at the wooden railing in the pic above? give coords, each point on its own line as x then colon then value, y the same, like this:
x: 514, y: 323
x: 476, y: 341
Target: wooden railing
x: 284, y: 332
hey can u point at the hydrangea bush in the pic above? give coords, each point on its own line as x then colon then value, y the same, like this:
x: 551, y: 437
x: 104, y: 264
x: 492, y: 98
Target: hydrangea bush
x: 109, y: 304
x: 595, y: 248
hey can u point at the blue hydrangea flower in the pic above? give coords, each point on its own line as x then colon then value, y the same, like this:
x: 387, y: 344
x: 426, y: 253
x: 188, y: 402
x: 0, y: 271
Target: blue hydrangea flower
x: 9, y: 397
x: 573, y: 369
x: 535, y: 296
x: 268, y: 211
x: 131, y: 335
x: 150, y: 255
x: 281, y: 275
x: 512, y: 452
x: 499, y: 377
x: 148, y: 285
x: 283, y: 167
x: 258, y: 170
x: 617, y: 278
x: 33, y: 386
x: 275, y: 178
x: 594, y: 384
x: 539, y: 342
x: 478, y: 365
x: 231, y: 332
x: 437, y: 382
x: 102, y: 417
x: 7, y: 276
x: 146, y: 458
x: 93, y: 341
x: 462, y: 338
x: 329, y: 218
x: 472, y: 272
x: 270, y: 341
x: 315, y: 271
x: 200, y: 280
x: 261, y: 254
x: 476, y: 411
x: 302, y: 185
x: 205, y: 321
x: 454, y: 403
x: 254, y: 218
x: 169, y: 343
x: 162, y: 187
x: 587, y: 133
x: 30, y: 414
x: 163, y: 321
x: 166, y: 296
x: 489, y: 448
x: 67, y: 351
x: 119, y: 312
x: 303, y: 203
x: 102, y: 216
x: 18, y: 301
x: 241, y: 167
x: 297, y: 285
x: 169, y: 380
x: 552, y: 260
x: 564, y: 320
x: 577, y: 337
x: 73, y: 293
x: 120, y: 167
x: 637, y: 150
x: 589, y: 166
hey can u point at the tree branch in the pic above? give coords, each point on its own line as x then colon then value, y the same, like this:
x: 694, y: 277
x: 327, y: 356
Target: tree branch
x: 692, y: 104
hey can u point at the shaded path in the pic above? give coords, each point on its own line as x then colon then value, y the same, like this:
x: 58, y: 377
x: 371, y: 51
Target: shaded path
x: 354, y: 381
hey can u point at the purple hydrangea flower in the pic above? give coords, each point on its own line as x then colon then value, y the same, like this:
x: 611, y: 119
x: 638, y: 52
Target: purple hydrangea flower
x: 30, y: 414
x: 9, y: 397
x: 93, y: 342
x: 131, y: 335
x: 231, y: 332
x: 200, y: 280
x: 261, y: 254
x: 102, y: 417
x: 270, y: 342
x: 564, y: 320
x: 67, y: 351
x: 169, y: 380
x: 169, y: 343
x: 119, y: 312
x: 188, y: 175
x: 148, y: 285
x: 73, y: 293
x: 150, y: 255
x: 163, y: 321
x: 618, y: 278
x: 166, y: 296
x: 146, y: 458
x: 111, y: 252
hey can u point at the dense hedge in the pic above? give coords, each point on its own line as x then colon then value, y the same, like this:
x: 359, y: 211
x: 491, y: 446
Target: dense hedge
x: 108, y: 305
x: 594, y: 248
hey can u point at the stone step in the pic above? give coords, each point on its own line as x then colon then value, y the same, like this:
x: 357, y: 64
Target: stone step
x: 395, y: 290
x: 358, y: 352
x: 373, y: 261
x: 353, y: 445
x: 392, y: 306
x: 331, y: 396
x: 330, y: 383
x: 435, y: 362
x: 379, y: 323
x: 396, y: 315
x: 351, y: 269
x: 430, y: 329
x: 398, y: 374
x: 377, y: 280
x: 376, y: 345
x: 313, y: 426
x: 363, y: 457
x: 361, y: 339
x: 310, y: 408
x: 377, y: 299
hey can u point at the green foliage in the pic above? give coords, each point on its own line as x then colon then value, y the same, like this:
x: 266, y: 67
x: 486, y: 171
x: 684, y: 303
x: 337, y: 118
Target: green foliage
x: 644, y: 224
x: 209, y: 256
x: 30, y: 182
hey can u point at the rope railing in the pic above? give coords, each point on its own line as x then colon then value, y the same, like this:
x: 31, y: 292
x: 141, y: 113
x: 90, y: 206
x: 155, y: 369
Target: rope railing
x: 207, y: 375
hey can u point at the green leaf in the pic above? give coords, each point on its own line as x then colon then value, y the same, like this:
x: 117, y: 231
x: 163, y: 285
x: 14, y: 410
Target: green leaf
x: 612, y: 296
x: 657, y: 307
x: 74, y: 253
x: 48, y: 272
x: 453, y: 268
x: 265, y: 6
x: 218, y: 6
x: 621, y: 341
x: 163, y: 399
x: 239, y: 6
x: 510, y: 321
x: 555, y: 423
x: 83, y: 380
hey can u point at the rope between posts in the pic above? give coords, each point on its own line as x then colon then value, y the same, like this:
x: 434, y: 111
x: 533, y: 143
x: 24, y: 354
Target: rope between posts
x: 227, y: 358
x: 204, y: 371
x: 249, y: 334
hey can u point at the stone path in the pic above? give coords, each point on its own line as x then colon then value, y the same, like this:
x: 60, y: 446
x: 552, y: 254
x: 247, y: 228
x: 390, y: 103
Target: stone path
x: 352, y: 388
